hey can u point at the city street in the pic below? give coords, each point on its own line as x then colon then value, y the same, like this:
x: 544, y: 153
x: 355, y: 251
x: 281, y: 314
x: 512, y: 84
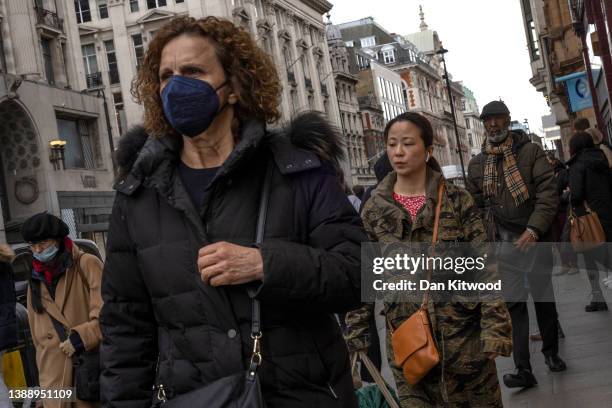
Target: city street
x: 587, y: 350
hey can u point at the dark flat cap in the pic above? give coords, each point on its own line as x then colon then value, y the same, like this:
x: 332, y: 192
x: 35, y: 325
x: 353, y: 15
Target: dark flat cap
x: 43, y: 226
x: 494, y: 108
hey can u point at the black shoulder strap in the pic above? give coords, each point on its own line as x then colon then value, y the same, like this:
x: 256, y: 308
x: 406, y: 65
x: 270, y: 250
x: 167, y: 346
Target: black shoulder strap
x: 259, y: 236
x: 59, y: 328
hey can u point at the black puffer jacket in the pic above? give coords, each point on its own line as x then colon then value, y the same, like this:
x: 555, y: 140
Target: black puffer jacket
x: 589, y: 180
x: 155, y: 301
x: 8, y: 319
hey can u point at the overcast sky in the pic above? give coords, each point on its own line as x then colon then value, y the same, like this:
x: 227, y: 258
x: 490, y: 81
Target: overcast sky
x: 486, y: 43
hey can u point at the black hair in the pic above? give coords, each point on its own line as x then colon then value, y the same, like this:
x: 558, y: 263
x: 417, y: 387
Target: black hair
x: 358, y: 190
x: 580, y: 141
x: 581, y: 124
x: 426, y: 132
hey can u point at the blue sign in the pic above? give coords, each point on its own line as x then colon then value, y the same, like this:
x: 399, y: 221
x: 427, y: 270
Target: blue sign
x: 578, y: 91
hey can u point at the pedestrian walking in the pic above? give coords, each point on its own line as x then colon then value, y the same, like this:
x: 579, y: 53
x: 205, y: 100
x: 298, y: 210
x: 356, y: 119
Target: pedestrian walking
x: 63, y: 304
x: 589, y: 185
x: 513, y: 183
x: 469, y: 335
x: 8, y: 318
x: 199, y: 284
x: 583, y: 125
x: 569, y: 259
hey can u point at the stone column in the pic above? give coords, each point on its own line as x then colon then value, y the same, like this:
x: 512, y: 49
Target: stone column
x: 21, y: 19
x: 127, y: 67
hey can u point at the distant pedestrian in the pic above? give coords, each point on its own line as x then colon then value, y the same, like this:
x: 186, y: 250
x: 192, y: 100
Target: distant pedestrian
x: 513, y: 183
x: 589, y: 185
x: 8, y: 318
x: 359, y: 190
x: 63, y: 302
x: 583, y: 125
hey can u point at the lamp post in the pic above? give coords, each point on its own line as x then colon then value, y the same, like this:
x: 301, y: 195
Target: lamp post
x: 57, y: 154
x: 441, y: 52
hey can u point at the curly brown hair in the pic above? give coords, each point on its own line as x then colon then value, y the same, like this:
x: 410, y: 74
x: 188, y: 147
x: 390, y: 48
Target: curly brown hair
x: 250, y: 70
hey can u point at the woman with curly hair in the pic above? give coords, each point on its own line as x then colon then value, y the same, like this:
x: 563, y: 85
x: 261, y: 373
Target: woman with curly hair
x: 185, y: 271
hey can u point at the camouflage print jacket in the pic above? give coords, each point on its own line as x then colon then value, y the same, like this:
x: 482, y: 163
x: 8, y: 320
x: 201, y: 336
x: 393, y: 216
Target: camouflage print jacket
x: 387, y: 221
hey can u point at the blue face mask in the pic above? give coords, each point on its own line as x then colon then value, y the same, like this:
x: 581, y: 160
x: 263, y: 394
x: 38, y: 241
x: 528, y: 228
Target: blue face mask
x: 190, y: 105
x: 46, y: 255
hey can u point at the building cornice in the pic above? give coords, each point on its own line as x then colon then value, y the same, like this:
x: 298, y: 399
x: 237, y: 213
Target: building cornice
x: 320, y: 6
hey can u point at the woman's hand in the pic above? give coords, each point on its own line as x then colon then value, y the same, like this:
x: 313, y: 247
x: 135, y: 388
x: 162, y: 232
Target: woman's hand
x: 223, y: 263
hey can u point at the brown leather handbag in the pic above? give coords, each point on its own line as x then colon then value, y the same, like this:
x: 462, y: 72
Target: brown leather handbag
x: 586, y: 232
x: 413, y: 344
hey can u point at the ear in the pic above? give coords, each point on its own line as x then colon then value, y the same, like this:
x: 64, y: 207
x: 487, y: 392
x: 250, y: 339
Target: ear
x: 232, y: 98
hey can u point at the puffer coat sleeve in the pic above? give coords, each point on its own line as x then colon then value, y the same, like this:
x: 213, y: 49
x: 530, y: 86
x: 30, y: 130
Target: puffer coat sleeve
x: 128, y: 351
x: 325, y: 272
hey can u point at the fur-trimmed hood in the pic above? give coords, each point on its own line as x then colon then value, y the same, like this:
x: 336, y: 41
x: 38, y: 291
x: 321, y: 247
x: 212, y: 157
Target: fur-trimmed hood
x: 309, y: 133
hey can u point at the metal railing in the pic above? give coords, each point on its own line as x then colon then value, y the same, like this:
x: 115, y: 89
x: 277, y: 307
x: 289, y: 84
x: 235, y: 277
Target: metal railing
x: 49, y: 18
x: 94, y: 80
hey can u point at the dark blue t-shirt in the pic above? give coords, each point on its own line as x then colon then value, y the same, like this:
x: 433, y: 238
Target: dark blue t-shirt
x: 196, y: 181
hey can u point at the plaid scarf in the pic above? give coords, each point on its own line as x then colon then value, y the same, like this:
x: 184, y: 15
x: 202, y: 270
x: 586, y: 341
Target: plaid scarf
x: 512, y: 176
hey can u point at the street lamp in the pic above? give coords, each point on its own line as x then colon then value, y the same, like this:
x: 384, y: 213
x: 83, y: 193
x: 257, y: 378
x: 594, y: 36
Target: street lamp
x: 57, y: 154
x: 441, y: 52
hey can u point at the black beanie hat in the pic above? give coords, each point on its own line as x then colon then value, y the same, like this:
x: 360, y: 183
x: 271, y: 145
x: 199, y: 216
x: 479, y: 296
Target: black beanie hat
x: 44, y: 226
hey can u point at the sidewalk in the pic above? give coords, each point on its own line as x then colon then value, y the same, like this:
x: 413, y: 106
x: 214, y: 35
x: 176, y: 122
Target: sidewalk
x: 587, y: 350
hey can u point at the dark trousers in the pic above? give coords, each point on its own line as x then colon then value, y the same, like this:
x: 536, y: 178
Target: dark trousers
x: 546, y: 314
x: 537, y: 280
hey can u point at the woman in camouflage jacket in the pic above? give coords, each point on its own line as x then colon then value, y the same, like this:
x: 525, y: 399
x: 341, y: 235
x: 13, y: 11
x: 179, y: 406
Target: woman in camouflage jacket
x: 468, y: 335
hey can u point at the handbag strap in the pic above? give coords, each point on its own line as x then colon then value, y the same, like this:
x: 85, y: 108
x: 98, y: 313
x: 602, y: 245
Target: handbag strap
x: 434, y: 238
x: 256, y: 333
x: 378, y: 379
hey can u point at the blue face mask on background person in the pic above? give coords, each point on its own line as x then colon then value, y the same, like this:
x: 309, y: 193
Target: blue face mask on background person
x: 46, y: 255
x: 190, y: 105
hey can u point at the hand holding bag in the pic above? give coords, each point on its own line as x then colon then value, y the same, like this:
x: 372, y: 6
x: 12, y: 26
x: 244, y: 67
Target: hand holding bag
x: 586, y: 232
x: 413, y: 344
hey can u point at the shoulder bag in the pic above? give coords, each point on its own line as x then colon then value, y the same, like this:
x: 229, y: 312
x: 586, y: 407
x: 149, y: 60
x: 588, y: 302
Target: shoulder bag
x: 413, y: 344
x: 586, y: 232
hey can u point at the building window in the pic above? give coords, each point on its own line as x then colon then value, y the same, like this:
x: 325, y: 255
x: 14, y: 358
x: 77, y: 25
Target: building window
x: 90, y: 61
x: 389, y: 56
x: 138, y: 49
x: 532, y: 34
x: 467, y: 123
x: 79, y: 152
x: 368, y: 41
x: 45, y: 44
x: 180, y: 1
x: 119, y: 112
x: 83, y: 14
x: 2, y: 56
x: 103, y: 9
x: 155, y: 3
x: 133, y: 6
x: 111, y: 57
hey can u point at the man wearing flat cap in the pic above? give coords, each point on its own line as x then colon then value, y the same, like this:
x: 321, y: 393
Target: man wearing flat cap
x: 513, y: 183
x: 64, y: 302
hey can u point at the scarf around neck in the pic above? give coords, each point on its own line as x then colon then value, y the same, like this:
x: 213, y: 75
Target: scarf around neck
x: 514, y: 181
x: 52, y: 270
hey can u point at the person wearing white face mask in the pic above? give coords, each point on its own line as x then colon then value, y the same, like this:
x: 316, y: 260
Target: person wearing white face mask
x: 64, y: 302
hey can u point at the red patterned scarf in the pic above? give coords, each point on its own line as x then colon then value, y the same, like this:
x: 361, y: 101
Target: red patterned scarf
x: 512, y: 176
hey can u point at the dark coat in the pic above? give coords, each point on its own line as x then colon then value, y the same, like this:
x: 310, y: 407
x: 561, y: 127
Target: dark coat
x: 8, y: 318
x: 155, y: 301
x: 589, y: 180
x: 539, y: 211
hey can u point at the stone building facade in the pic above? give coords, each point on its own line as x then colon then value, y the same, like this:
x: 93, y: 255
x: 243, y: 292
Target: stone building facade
x: 350, y: 117
x: 44, y: 98
x: 114, y: 35
x: 473, y: 125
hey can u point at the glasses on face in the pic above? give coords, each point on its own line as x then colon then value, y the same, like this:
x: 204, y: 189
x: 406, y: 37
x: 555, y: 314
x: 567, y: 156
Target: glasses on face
x: 40, y: 245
